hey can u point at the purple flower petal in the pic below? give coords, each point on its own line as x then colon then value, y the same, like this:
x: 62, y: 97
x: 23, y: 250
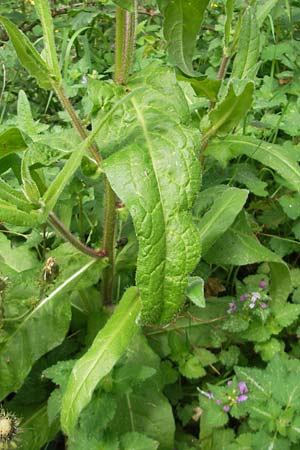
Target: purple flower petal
x: 232, y: 308
x: 255, y: 296
x: 242, y: 398
x: 229, y: 383
x: 252, y: 305
x: 209, y: 395
x: 262, y: 284
x: 242, y: 387
x: 226, y: 408
x: 263, y: 305
x: 218, y: 401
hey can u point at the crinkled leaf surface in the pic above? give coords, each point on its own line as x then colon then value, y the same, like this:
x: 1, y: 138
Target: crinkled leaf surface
x: 108, y: 346
x: 157, y: 176
x: 11, y: 141
x: 271, y: 155
x: 182, y: 23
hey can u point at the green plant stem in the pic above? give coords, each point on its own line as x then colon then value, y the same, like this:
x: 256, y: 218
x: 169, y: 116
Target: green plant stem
x: 78, y: 125
x: 124, y: 49
x: 69, y: 237
x: 223, y: 67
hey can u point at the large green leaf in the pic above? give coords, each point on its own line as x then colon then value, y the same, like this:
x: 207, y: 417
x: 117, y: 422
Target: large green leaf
x: 230, y: 111
x: 28, y: 55
x: 37, y: 333
x: 157, y: 176
x: 109, y: 345
x: 181, y: 27
x: 271, y: 155
x: 11, y: 141
x: 12, y: 215
x: 245, y: 63
x: 220, y: 216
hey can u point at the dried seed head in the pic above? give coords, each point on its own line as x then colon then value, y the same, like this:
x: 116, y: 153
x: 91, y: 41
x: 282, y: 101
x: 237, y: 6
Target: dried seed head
x: 9, y: 428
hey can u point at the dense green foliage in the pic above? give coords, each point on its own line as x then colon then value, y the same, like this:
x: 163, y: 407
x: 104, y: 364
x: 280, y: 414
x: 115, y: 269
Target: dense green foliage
x: 150, y: 225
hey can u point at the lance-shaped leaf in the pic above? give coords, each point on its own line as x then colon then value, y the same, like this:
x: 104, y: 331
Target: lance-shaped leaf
x: 11, y: 141
x: 271, y: 155
x: 44, y: 13
x: 220, y: 216
x: 29, y: 186
x: 157, y: 176
x: 109, y: 345
x: 229, y: 6
x: 230, y: 111
x: 28, y: 55
x: 182, y: 22
x: 37, y: 333
x: 245, y: 63
x: 264, y: 8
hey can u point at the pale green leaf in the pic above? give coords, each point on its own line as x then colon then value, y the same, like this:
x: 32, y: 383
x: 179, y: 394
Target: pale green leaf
x: 44, y: 13
x: 18, y: 259
x: 108, y: 346
x: 229, y: 13
x: 37, y: 333
x: 29, y: 186
x: 13, y: 196
x: 230, y: 111
x: 25, y: 119
x: 195, y: 291
x: 11, y: 141
x: 28, y: 55
x: 125, y: 4
x: 182, y: 22
x: 157, y: 176
x: 271, y: 155
x: 245, y: 63
x: 221, y: 216
x: 138, y: 441
x: 12, y: 215
x: 264, y: 8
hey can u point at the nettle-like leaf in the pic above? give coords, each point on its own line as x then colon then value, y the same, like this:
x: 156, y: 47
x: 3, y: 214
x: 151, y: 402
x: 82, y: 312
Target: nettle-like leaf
x: 274, y: 156
x: 182, y: 22
x: 156, y: 174
x: 38, y: 332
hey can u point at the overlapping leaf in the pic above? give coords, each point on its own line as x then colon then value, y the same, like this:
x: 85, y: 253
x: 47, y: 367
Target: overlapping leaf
x: 157, y: 175
x: 271, y: 155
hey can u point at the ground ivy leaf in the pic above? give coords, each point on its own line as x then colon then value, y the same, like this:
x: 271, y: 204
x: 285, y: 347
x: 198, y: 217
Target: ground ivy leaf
x: 157, y: 176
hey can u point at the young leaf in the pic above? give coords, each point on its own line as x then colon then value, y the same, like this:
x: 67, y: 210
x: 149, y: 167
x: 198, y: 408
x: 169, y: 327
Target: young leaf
x: 159, y: 182
x: 14, y: 197
x: 195, y: 291
x: 125, y: 4
x: 221, y: 216
x: 28, y: 55
x: 11, y: 141
x: 229, y: 13
x: 230, y: 111
x: 44, y: 13
x: 37, y: 333
x: 108, y: 346
x: 182, y: 22
x: 25, y: 119
x: 271, y: 155
x: 245, y: 63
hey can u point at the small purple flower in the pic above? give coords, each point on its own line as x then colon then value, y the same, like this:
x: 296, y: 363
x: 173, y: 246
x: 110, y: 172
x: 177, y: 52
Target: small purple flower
x: 229, y: 383
x: 262, y: 284
x: 226, y: 408
x: 242, y: 398
x: 218, y: 401
x: 243, y: 297
x: 242, y: 387
x: 252, y: 305
x: 232, y: 308
x: 263, y: 305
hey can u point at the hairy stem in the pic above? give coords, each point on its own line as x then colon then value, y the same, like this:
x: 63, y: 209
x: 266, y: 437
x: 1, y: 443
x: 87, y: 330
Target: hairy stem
x: 124, y: 49
x: 78, y: 125
x: 69, y: 237
x: 223, y: 67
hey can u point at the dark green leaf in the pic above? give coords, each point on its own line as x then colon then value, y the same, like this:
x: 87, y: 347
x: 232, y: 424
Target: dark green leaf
x: 11, y: 141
